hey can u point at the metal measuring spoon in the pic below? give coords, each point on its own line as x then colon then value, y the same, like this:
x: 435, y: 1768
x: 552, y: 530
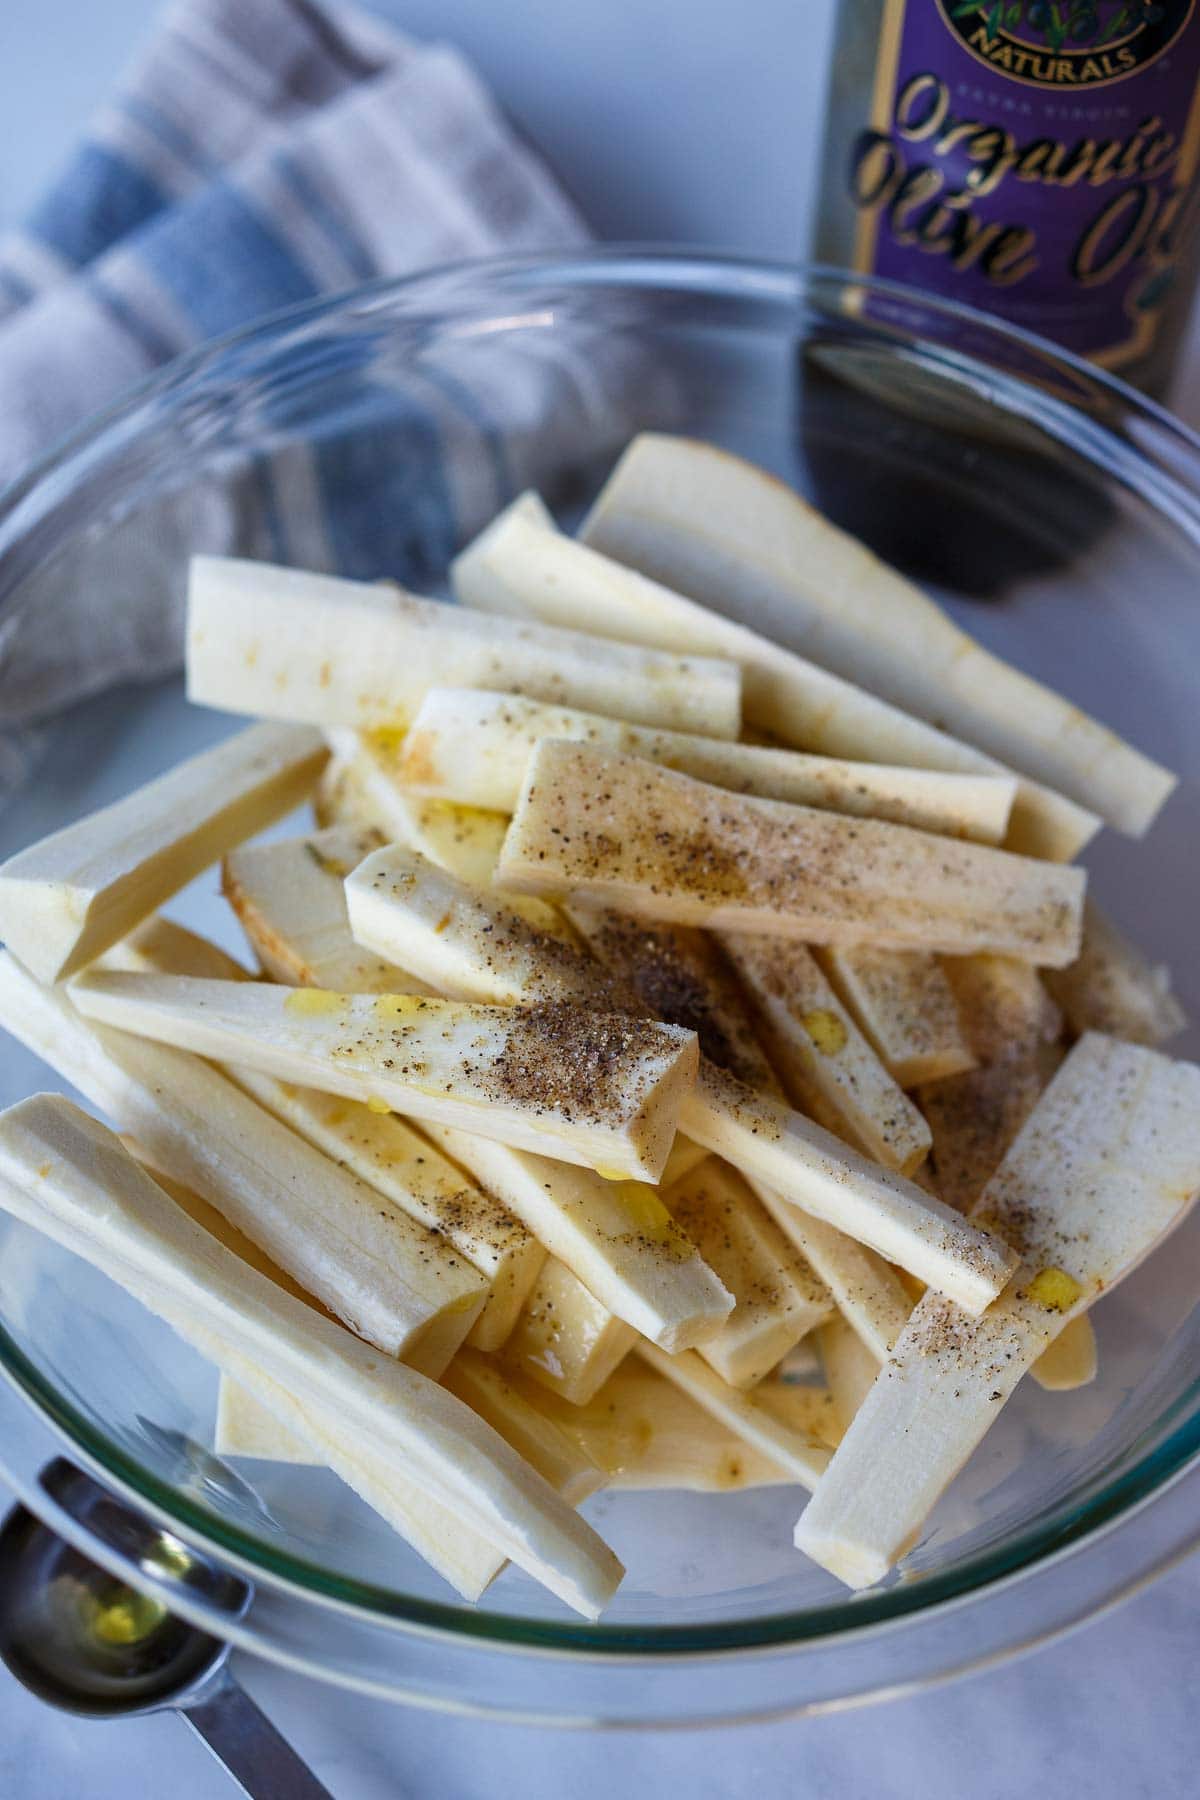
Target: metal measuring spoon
x: 87, y: 1642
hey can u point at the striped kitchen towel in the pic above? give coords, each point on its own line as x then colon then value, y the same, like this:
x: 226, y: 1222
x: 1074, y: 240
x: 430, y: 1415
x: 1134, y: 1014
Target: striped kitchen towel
x: 263, y: 153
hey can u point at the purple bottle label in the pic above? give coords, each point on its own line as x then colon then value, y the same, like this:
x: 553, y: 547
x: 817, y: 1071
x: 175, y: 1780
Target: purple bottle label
x: 1035, y: 158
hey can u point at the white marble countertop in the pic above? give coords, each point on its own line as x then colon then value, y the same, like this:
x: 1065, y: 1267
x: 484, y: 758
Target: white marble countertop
x: 717, y: 109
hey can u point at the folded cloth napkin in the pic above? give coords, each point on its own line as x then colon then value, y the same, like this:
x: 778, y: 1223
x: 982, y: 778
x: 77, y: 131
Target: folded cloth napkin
x: 263, y: 153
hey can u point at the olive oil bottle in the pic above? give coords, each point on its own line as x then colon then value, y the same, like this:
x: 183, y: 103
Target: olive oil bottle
x: 1038, y: 159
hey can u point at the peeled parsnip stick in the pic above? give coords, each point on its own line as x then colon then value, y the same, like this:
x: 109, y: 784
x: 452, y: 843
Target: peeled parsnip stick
x: 246, y: 1426
x: 809, y: 1168
x: 868, y: 1293
x: 473, y: 944
x: 732, y: 537
x: 524, y: 569
x: 380, y: 1150
x: 905, y: 1004
x: 1114, y: 987
x: 472, y: 747
x: 484, y: 1386
x: 679, y: 975
x: 617, y: 1237
x: 368, y: 1263
x: 1104, y: 1167
x: 828, y: 1068
x: 564, y: 1339
x: 161, y: 947
x: 463, y: 840
x: 283, y: 643
x: 258, y: 1416
x: 797, y: 1452
x: 1012, y: 1026
x: 393, y: 1160
x: 850, y: 1368
x: 70, y: 1177
x: 626, y: 833
x: 586, y: 1087
x: 645, y: 1432
x: 777, y: 1297
x: 65, y: 901
x: 290, y: 902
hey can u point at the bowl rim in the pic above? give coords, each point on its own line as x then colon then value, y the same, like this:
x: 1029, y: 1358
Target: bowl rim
x: 1175, y: 487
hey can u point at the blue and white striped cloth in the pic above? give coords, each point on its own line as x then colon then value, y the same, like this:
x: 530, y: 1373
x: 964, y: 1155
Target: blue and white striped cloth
x: 262, y: 153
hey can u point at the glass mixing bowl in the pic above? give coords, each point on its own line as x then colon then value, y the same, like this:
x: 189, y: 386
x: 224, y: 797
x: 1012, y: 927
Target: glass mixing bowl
x: 1056, y: 512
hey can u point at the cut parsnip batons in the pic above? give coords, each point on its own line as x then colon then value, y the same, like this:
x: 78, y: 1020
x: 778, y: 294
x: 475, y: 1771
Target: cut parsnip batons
x: 626, y: 833
x: 483, y: 1385
x: 393, y: 1160
x: 161, y: 947
x: 565, y: 1340
x: 523, y: 569
x: 905, y: 1004
x: 290, y: 902
x: 588, y: 1088
x: 777, y: 1298
x: 284, y: 643
x: 617, y: 1237
x: 645, y: 1432
x: 66, y: 900
x: 1114, y: 987
x: 679, y: 975
x: 463, y: 840
x: 1106, y: 1165
x: 798, y: 1453
x: 472, y: 943
x: 389, y: 1279
x: 472, y: 747
x: 734, y: 538
x: 69, y: 1177
x: 850, y: 1368
x: 828, y: 1068
x: 868, y: 1293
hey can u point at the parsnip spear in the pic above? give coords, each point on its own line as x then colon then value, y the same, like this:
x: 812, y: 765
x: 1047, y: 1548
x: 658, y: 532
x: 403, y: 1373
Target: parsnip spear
x: 564, y: 1339
x: 777, y: 1298
x: 639, y: 1429
x: 645, y: 1432
x: 617, y: 1237
x: 290, y: 902
x: 283, y: 643
x: 161, y: 947
x: 588, y: 1088
x: 459, y: 938
x: 392, y: 1159
x: 678, y: 974
x: 70, y: 1177
x: 799, y: 1453
x: 1104, y: 1167
x: 868, y: 1293
x: 484, y: 1386
x: 371, y: 1265
x: 625, y: 833
x: 850, y: 1368
x: 525, y: 570
x: 260, y: 1417
x: 905, y: 1004
x: 1114, y: 987
x: 732, y: 537
x: 461, y: 839
x: 829, y: 1070
x: 66, y: 900
x: 380, y: 1150
x: 1012, y: 1027
x: 473, y: 747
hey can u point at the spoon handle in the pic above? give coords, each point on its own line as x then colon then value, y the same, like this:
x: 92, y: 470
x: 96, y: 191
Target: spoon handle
x: 263, y: 1763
